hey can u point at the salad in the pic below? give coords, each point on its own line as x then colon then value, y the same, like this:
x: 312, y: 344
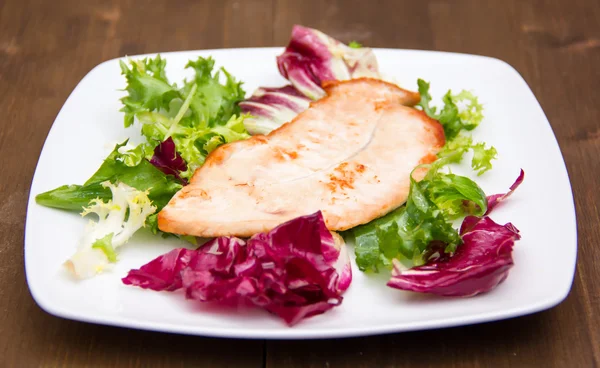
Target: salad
x: 440, y: 240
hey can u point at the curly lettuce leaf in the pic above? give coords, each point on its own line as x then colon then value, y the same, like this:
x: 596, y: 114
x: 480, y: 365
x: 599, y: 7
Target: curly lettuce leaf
x: 198, y: 117
x: 461, y: 112
x: 196, y: 144
x: 147, y: 87
x: 482, y: 158
x: 481, y: 162
x: 213, y: 103
x: 471, y: 113
x: 455, y: 149
x: 118, y: 219
x: 132, y: 156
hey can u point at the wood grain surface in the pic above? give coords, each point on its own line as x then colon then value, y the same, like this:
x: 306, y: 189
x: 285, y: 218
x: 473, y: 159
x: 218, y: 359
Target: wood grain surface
x: 46, y: 47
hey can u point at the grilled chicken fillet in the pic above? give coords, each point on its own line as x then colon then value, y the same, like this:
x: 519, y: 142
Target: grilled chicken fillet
x: 349, y: 155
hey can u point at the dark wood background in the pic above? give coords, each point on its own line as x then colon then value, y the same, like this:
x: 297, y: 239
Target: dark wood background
x: 46, y: 47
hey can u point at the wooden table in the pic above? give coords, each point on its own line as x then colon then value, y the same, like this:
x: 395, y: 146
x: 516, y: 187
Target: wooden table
x: 46, y: 47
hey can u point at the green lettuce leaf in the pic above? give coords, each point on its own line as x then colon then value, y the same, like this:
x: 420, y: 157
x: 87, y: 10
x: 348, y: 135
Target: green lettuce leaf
x: 195, y: 144
x: 454, y: 151
x: 456, y: 121
x: 132, y: 156
x: 213, y: 103
x: 144, y: 176
x: 73, y: 197
x: 147, y: 87
x: 453, y: 119
x: 482, y: 158
x: 408, y: 232
x: 200, y: 116
x: 105, y: 245
x: 456, y: 196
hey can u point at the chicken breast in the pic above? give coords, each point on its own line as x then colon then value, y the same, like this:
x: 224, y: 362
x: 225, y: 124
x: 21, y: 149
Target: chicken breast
x: 349, y: 155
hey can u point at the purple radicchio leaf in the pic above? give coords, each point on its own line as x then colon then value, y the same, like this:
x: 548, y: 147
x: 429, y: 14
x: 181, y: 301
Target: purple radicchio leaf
x: 297, y: 270
x: 310, y: 59
x: 168, y: 160
x: 480, y: 264
x: 270, y: 108
x: 313, y: 57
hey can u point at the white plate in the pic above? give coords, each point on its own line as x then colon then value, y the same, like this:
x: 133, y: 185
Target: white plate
x: 90, y: 123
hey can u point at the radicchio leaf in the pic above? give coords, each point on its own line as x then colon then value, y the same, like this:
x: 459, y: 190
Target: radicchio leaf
x: 313, y: 57
x: 269, y: 108
x: 310, y: 59
x: 168, y: 160
x: 297, y: 270
x: 495, y: 199
x: 478, y: 266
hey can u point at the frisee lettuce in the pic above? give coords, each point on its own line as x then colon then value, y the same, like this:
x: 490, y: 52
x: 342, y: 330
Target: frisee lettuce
x: 482, y: 157
x: 200, y: 116
x: 455, y: 149
x: 147, y: 87
x: 453, y: 119
x: 118, y: 219
x: 461, y: 113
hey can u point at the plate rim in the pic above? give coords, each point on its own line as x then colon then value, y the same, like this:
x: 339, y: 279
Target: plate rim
x: 287, y: 333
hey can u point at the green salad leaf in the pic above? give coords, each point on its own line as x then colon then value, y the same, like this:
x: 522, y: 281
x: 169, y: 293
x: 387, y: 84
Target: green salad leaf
x: 213, y: 103
x: 105, y: 244
x: 408, y: 232
x: 200, y: 116
x: 461, y: 113
x: 482, y: 158
x: 456, y: 196
x: 147, y: 87
x: 453, y: 119
x: 143, y: 176
x: 454, y: 151
x: 132, y: 156
x: 73, y: 197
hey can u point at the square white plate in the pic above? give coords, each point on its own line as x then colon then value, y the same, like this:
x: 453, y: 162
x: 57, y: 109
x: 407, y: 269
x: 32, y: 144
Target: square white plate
x: 90, y: 123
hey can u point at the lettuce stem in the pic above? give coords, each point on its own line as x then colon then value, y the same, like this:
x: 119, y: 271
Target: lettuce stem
x: 182, y: 111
